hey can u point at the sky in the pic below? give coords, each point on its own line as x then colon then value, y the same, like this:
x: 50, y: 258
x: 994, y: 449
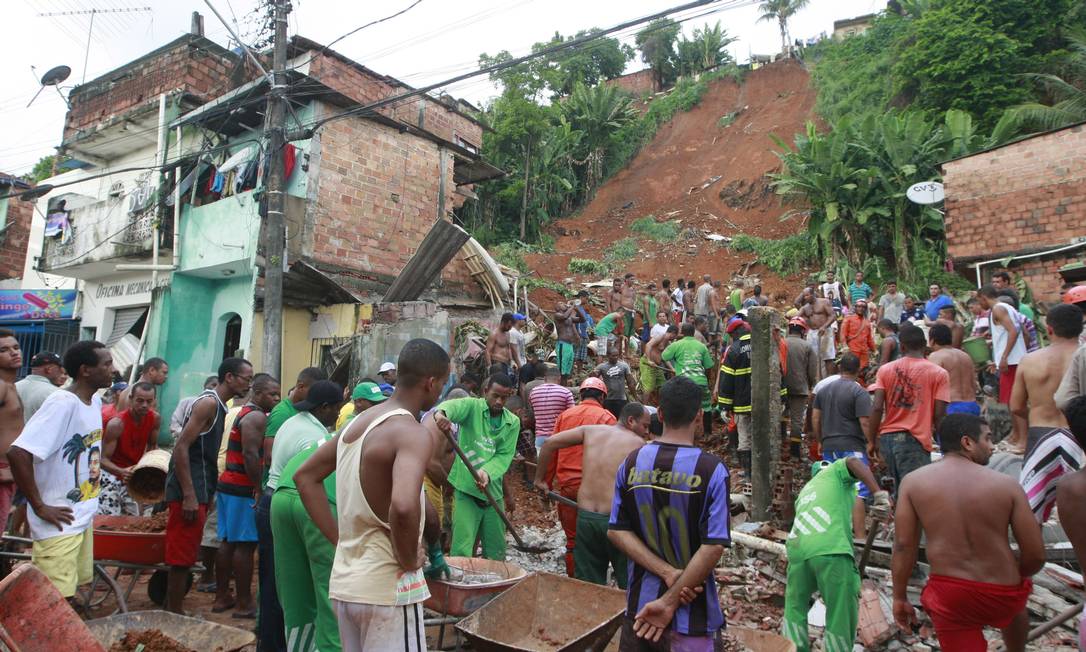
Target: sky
x: 432, y: 41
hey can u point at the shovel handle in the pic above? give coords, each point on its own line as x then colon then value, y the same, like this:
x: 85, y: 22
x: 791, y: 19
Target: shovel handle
x: 486, y: 490
x: 554, y: 495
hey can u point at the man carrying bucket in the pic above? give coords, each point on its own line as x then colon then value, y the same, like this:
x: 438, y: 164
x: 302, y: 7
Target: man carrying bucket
x: 128, y: 435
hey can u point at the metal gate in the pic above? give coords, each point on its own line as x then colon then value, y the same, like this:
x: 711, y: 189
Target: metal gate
x: 37, y: 336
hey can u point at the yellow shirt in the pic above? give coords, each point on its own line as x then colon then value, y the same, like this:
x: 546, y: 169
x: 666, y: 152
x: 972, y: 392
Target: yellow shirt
x: 228, y: 425
x: 346, y: 413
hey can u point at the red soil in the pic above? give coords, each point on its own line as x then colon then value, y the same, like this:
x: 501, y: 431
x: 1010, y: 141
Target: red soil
x: 665, y: 180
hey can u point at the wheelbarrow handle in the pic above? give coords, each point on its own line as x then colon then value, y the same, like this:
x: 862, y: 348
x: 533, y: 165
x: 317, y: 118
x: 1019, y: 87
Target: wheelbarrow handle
x: 486, y: 490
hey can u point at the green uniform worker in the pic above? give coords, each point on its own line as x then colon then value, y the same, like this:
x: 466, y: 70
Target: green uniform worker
x: 820, y: 553
x: 303, y: 564
x: 488, y: 437
x: 605, y: 330
x: 690, y: 358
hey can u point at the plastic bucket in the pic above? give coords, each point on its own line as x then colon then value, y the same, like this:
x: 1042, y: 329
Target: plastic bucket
x: 148, y: 481
x: 977, y: 348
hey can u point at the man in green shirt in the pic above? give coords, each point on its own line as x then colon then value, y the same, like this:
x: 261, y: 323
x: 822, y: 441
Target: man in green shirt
x: 690, y: 358
x: 820, y: 553
x: 488, y: 435
x: 605, y: 332
x: 285, y: 410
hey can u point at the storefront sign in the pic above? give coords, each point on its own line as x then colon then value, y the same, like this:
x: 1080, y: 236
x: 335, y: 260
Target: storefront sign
x: 127, y: 289
x: 36, y: 304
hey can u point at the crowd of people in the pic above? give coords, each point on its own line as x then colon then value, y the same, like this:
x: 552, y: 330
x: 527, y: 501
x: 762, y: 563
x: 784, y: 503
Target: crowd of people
x: 345, y: 501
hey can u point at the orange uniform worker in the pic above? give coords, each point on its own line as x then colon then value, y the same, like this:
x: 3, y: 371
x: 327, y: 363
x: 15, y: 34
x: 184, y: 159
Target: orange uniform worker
x: 856, y: 333
x: 565, y: 475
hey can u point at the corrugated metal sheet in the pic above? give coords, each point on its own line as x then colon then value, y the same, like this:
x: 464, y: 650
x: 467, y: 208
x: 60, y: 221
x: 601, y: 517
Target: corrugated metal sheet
x: 436, y: 250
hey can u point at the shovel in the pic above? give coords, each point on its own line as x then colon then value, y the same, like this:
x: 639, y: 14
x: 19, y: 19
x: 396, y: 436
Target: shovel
x: 520, y: 545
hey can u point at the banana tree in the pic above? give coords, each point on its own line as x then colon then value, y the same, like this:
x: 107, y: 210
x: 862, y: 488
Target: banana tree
x: 597, y: 112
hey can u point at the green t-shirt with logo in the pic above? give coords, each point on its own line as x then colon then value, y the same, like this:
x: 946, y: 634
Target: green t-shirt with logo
x: 605, y: 326
x: 823, y: 523
x: 690, y: 358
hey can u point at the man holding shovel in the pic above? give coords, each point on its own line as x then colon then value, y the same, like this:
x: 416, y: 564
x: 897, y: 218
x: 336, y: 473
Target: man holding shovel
x: 488, y: 436
x: 604, y: 449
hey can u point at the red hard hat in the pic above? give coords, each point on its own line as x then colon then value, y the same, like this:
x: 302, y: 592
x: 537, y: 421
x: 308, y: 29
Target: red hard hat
x: 1076, y: 294
x: 594, y: 383
x: 798, y: 321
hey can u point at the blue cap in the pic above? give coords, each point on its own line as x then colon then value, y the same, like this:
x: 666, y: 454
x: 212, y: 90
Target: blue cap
x: 519, y: 317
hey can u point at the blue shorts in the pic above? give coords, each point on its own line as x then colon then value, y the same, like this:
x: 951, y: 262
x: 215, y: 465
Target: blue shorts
x: 963, y: 407
x: 831, y: 456
x: 237, y: 518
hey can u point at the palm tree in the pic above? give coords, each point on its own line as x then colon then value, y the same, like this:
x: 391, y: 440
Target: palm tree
x: 73, y: 450
x: 781, y: 11
x: 1068, y: 92
x: 597, y: 112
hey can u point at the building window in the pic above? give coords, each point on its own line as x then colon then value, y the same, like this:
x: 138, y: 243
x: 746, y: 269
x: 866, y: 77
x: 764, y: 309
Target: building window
x: 232, y: 337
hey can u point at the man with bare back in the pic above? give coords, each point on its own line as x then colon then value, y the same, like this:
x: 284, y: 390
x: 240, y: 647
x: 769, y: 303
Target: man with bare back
x: 11, y: 416
x: 958, y: 364
x: 498, y: 348
x: 976, y: 579
x: 688, y: 301
x: 605, y: 447
x: 377, y: 584
x: 566, y: 318
x: 822, y: 324
x: 1040, y: 372
x: 614, y: 296
x: 663, y: 298
x: 652, y: 365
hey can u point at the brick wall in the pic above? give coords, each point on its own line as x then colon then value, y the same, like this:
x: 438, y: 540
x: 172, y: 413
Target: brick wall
x: 1041, y: 274
x: 190, y: 63
x: 366, y: 87
x: 13, y: 241
x: 1027, y: 196
x: 639, y: 83
x: 375, y: 198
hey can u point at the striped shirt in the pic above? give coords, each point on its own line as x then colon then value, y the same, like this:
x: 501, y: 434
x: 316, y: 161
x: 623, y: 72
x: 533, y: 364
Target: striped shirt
x: 675, y: 499
x: 1055, y: 455
x: 548, y: 401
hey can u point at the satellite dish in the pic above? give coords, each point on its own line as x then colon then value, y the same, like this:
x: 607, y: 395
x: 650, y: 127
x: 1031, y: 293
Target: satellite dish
x: 928, y: 192
x: 52, y: 77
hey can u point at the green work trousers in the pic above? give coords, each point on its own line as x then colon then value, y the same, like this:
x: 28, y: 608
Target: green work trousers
x: 836, y: 578
x: 303, y: 564
x: 473, y: 519
x: 593, y: 553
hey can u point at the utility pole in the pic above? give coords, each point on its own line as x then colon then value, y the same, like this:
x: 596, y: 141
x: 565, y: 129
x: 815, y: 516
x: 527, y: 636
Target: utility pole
x: 762, y: 356
x: 275, y: 240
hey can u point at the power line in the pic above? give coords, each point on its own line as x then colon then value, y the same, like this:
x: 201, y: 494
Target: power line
x: 355, y: 31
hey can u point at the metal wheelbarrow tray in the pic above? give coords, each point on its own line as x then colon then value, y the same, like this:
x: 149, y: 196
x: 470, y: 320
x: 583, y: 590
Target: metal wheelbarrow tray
x: 546, y: 613
x: 191, y: 632
x: 453, y: 598
x: 146, y: 548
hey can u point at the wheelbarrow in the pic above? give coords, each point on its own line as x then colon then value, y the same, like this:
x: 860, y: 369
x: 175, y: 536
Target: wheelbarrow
x: 190, y: 632
x: 546, y: 613
x: 35, y: 617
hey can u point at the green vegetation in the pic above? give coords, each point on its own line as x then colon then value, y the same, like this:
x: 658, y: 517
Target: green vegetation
x: 658, y: 231
x: 587, y: 266
x: 781, y: 11
x: 620, y: 252
x: 786, y: 256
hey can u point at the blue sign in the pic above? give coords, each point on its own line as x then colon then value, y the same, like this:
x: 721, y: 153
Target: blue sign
x: 16, y: 305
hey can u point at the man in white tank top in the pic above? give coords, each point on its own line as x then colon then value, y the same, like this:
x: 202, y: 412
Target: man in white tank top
x: 1008, y: 349
x: 377, y: 585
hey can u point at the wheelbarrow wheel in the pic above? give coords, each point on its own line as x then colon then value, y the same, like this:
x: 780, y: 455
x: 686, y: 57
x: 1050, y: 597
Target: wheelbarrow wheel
x: 156, y: 587
x: 90, y: 598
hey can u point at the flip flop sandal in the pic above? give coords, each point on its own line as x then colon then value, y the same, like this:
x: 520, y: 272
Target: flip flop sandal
x: 244, y: 615
x: 219, y: 610
x: 210, y: 587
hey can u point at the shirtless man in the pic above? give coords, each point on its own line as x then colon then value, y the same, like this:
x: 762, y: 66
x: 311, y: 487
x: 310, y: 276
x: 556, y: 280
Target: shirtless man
x: 614, y: 297
x: 566, y: 317
x: 688, y: 300
x: 821, y: 322
x: 498, y: 349
x: 948, y: 317
x: 1039, y: 375
x: 716, y: 304
x: 663, y: 297
x: 11, y: 416
x: 652, y: 365
x: 604, y: 449
x: 976, y: 579
x: 963, y: 375
x: 382, y: 512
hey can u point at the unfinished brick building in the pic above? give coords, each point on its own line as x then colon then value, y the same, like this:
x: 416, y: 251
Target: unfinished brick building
x: 1024, y: 203
x: 15, y: 216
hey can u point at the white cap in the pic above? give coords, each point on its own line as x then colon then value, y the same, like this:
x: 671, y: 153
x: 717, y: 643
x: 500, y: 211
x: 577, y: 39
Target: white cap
x: 386, y: 366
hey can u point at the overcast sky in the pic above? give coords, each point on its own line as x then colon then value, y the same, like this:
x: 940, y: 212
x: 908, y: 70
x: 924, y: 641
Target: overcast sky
x: 435, y: 40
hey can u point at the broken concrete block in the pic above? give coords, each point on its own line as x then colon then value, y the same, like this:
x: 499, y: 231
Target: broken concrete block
x: 876, y: 615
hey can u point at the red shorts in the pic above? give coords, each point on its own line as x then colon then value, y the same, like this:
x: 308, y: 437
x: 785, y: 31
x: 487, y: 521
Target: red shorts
x: 1006, y: 384
x: 183, y: 537
x: 960, y: 609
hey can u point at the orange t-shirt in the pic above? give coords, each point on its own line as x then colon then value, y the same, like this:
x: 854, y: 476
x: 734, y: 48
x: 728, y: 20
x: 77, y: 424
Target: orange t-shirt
x: 856, y: 332
x: 566, y: 468
x: 911, y: 387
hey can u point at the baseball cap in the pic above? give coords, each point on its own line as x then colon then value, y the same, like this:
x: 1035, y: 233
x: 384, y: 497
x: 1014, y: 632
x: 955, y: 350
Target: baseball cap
x: 368, y: 391
x: 322, y: 392
x: 594, y: 383
x: 386, y: 366
x: 518, y: 317
x: 44, y: 358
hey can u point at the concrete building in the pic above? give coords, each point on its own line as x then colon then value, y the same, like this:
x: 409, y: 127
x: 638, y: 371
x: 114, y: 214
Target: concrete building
x: 365, y: 195
x: 1021, y: 207
x: 847, y: 27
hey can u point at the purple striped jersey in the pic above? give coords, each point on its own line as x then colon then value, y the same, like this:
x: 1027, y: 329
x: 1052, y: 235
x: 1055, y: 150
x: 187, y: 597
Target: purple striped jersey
x: 674, y: 498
